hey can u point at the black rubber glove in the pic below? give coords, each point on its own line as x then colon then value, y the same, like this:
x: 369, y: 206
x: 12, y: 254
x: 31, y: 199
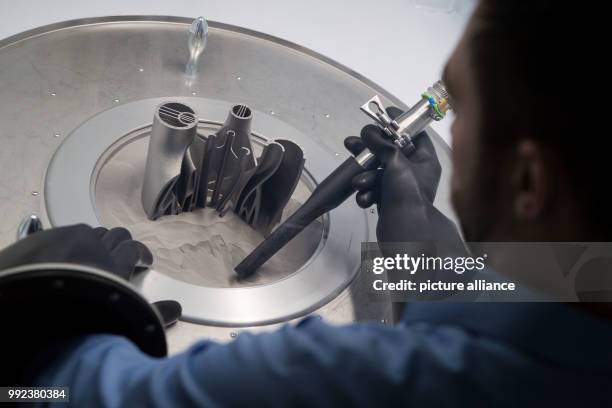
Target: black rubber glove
x: 111, y: 250
x: 403, y: 187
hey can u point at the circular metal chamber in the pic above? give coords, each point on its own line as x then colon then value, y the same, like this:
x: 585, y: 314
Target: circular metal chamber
x: 58, y: 81
x: 328, y: 264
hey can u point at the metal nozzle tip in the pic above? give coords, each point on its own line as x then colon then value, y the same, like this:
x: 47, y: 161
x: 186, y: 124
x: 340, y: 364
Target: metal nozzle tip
x: 198, y: 36
x: 198, y: 29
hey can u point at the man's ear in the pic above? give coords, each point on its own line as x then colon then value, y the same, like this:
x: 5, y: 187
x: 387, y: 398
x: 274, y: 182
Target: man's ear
x: 531, y: 180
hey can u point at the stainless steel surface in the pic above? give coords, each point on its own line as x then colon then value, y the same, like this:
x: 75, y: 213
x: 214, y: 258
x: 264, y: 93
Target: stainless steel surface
x: 29, y: 225
x: 171, y: 135
x: 232, y: 155
x: 54, y: 78
x: 198, y: 37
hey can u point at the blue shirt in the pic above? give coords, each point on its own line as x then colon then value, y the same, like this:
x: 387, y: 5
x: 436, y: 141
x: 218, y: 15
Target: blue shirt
x: 442, y: 355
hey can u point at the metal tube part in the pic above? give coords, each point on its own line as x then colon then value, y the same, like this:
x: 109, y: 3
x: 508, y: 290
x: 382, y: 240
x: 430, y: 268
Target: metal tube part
x: 336, y: 188
x: 174, y: 129
x: 228, y: 159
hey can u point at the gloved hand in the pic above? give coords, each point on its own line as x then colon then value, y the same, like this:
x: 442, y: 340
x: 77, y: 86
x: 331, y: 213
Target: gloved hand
x: 403, y: 187
x: 111, y: 250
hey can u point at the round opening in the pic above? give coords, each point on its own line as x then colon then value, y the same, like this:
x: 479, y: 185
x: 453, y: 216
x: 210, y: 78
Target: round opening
x: 241, y: 111
x: 196, y: 247
x: 176, y: 114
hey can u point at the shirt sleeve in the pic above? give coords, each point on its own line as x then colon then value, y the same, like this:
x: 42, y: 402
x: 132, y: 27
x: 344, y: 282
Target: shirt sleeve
x: 310, y: 364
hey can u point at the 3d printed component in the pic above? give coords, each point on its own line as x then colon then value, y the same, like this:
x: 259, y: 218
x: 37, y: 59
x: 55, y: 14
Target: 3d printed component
x: 267, y: 193
x: 174, y: 129
x: 186, y: 170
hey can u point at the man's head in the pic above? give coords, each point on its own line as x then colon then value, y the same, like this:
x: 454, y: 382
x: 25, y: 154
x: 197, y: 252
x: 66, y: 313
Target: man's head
x: 527, y: 165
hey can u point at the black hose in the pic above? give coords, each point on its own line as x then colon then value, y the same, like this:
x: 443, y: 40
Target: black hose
x: 332, y: 192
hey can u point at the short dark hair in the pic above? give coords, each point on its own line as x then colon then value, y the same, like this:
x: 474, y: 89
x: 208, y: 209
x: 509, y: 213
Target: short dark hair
x: 536, y: 74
